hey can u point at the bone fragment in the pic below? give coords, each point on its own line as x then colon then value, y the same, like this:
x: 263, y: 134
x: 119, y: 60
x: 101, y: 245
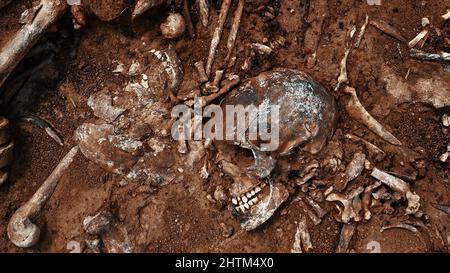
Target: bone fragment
x: 353, y: 170
x: 319, y: 210
x: 388, y: 29
x: 444, y: 208
x: 417, y: 39
x: 446, y: 16
x: 347, y: 232
x: 217, y: 35
x: 21, y: 230
x: 399, y: 186
x: 234, y: 31
x: 143, y: 5
x: 315, y: 219
x: 304, y: 234
x: 425, y: 56
x: 17, y: 47
x: 366, y: 199
x: 348, y: 212
x: 372, y: 147
x: 343, y: 77
x: 204, y: 12
x: 362, y: 32
x: 357, y: 111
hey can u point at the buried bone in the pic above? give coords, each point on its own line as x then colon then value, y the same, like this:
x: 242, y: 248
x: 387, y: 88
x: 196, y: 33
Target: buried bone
x: 347, y: 200
x: 217, y: 35
x: 347, y: 232
x: 301, y: 238
x: 21, y: 230
x: 352, y: 171
x: 366, y: 199
x: 357, y: 111
x: 399, y: 186
x: 17, y: 47
x: 425, y: 56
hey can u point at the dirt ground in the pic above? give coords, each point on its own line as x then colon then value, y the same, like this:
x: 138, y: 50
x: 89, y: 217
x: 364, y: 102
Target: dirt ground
x: 182, y: 216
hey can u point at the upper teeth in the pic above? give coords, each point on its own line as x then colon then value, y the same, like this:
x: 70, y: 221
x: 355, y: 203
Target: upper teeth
x: 246, y: 200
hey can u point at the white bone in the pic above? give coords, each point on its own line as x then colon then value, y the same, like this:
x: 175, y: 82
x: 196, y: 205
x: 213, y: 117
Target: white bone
x: 357, y: 111
x: 21, y: 230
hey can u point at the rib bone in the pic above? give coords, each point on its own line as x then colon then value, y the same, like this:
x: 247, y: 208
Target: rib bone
x: 357, y: 111
x: 21, y: 230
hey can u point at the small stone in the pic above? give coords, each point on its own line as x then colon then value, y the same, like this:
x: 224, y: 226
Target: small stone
x: 425, y: 21
x: 227, y: 231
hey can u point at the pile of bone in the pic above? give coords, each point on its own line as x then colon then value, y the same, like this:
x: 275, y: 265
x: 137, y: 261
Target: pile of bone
x: 6, y: 149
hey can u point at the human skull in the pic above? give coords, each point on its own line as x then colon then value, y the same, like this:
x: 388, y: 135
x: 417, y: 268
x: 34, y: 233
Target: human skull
x: 307, y: 116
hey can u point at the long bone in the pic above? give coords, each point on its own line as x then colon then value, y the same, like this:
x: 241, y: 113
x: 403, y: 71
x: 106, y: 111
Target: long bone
x: 399, y: 186
x: 21, y: 230
x: 14, y: 51
x: 217, y: 34
x: 357, y: 111
x: 204, y: 12
x: 234, y: 30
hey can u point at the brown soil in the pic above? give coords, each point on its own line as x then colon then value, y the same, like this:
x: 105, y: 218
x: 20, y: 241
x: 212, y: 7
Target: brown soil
x: 179, y: 217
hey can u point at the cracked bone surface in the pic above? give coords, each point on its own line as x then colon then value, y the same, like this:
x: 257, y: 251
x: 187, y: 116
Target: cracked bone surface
x: 17, y: 47
x: 21, y: 230
x: 399, y: 186
x: 357, y: 111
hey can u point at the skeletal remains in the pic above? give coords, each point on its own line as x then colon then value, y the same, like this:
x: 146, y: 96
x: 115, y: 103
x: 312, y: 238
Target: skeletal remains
x: 128, y: 138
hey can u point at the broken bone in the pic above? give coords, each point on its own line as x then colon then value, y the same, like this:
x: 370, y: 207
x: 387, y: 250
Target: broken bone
x: 388, y: 29
x: 446, y: 16
x: 21, y: 230
x: 349, y: 212
x: 347, y: 232
x: 302, y: 238
x: 366, y: 198
x: 143, y: 5
x: 352, y: 171
x: 357, y: 111
x: 417, y: 39
x: 399, y: 186
x: 17, y: 47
